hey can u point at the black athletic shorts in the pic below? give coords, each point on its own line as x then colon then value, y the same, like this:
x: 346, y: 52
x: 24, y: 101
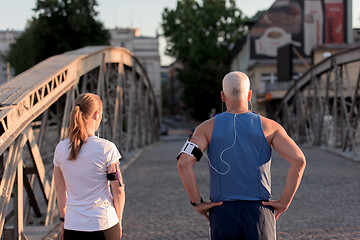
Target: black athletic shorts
x: 112, y: 233
x: 242, y: 220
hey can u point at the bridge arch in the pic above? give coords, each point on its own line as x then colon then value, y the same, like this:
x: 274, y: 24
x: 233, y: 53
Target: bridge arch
x: 322, y: 108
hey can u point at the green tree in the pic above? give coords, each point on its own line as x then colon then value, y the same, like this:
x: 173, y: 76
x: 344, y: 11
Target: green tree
x: 58, y: 26
x: 200, y: 36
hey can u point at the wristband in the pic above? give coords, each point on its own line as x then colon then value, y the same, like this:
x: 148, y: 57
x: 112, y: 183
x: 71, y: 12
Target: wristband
x: 62, y: 219
x: 197, y: 203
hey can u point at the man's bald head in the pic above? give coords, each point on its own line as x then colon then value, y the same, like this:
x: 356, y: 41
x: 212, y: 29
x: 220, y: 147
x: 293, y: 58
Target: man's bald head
x: 236, y: 85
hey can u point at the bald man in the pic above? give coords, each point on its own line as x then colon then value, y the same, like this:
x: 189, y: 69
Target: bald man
x: 239, y: 144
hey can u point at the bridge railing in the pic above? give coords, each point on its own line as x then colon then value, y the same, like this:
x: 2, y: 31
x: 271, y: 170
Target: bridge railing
x: 322, y: 108
x: 34, y: 112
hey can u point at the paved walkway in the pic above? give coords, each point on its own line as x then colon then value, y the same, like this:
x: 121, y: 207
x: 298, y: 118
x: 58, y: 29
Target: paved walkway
x: 327, y: 205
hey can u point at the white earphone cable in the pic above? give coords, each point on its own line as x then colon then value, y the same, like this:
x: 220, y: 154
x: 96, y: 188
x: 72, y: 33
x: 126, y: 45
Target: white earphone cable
x: 221, y: 154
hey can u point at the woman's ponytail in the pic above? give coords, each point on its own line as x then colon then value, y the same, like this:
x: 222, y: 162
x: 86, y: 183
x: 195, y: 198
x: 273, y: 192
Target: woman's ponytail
x: 85, y: 105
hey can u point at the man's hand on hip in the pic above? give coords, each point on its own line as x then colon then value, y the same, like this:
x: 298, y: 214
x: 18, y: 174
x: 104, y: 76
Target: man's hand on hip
x: 205, y: 207
x: 278, y: 206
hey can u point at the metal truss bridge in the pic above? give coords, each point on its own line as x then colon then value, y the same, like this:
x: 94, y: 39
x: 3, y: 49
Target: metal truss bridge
x: 322, y: 108
x: 34, y: 112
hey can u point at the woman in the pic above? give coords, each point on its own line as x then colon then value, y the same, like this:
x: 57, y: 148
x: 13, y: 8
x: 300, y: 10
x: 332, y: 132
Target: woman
x: 83, y: 164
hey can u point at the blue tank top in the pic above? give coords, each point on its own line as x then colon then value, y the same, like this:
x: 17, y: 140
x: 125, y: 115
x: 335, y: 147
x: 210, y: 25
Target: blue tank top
x: 249, y: 159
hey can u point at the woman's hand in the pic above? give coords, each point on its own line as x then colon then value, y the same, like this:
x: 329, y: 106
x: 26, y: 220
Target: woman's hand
x: 62, y: 231
x: 120, y: 225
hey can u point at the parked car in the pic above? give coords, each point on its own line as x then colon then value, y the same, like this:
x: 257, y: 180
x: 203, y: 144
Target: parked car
x: 163, y: 129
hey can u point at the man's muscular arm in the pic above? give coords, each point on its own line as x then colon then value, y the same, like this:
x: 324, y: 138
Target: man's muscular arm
x: 185, y: 166
x: 288, y: 149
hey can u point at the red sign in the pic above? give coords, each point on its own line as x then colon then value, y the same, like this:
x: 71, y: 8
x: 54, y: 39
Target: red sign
x: 334, y: 20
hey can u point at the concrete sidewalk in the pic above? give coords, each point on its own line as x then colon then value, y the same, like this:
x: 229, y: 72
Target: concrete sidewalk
x: 325, y: 207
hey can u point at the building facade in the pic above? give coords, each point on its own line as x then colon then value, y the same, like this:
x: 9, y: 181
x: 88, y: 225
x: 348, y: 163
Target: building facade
x: 7, y: 37
x: 146, y: 49
x: 308, y: 27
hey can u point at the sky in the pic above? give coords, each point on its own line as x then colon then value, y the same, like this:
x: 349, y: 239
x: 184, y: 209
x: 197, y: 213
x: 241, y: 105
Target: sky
x: 142, y: 14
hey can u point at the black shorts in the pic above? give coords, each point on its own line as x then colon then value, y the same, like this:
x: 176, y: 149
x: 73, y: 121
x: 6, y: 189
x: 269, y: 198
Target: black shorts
x: 112, y: 233
x: 242, y: 220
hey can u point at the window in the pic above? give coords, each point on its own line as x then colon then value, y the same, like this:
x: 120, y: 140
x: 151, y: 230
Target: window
x: 269, y: 82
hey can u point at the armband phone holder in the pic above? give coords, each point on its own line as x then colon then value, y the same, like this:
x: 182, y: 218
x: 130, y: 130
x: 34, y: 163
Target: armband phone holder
x: 191, y: 149
x: 116, y: 176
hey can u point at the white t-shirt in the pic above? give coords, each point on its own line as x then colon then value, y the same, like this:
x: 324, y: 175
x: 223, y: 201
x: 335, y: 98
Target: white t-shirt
x: 89, y: 204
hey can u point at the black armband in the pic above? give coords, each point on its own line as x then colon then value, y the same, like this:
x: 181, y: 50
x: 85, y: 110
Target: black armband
x: 116, y: 176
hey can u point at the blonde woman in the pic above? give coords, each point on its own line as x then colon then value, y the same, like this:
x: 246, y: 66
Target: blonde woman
x: 83, y: 165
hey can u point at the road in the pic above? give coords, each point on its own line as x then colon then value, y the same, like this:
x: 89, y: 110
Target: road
x: 326, y: 205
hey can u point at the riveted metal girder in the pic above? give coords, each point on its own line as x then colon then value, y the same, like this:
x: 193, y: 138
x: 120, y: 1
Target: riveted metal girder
x: 322, y: 107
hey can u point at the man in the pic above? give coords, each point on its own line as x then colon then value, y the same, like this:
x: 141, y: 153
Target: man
x: 238, y: 143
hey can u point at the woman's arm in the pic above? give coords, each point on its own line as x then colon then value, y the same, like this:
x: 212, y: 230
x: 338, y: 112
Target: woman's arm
x: 118, y: 189
x: 60, y: 189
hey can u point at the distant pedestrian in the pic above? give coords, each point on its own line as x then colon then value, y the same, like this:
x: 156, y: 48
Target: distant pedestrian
x: 83, y: 165
x: 212, y: 113
x: 238, y: 144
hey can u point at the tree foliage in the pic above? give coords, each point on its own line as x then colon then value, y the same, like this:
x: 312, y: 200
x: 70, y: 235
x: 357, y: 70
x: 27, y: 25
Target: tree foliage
x: 200, y: 36
x: 58, y: 26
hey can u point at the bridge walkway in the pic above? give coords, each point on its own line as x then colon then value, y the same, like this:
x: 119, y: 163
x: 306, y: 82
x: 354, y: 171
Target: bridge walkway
x: 326, y: 205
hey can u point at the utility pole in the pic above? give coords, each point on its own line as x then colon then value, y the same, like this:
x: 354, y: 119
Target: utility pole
x: 8, y: 71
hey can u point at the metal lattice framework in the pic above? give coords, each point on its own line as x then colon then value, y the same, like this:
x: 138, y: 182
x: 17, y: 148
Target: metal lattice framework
x: 322, y: 108
x: 34, y: 113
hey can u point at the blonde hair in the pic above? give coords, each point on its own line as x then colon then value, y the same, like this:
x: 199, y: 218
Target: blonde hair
x: 85, y: 105
x: 236, y: 84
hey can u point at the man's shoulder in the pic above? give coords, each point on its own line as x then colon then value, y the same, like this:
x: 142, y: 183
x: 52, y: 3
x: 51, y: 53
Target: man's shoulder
x: 266, y: 119
x: 269, y: 123
x: 206, y: 127
x: 207, y: 124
